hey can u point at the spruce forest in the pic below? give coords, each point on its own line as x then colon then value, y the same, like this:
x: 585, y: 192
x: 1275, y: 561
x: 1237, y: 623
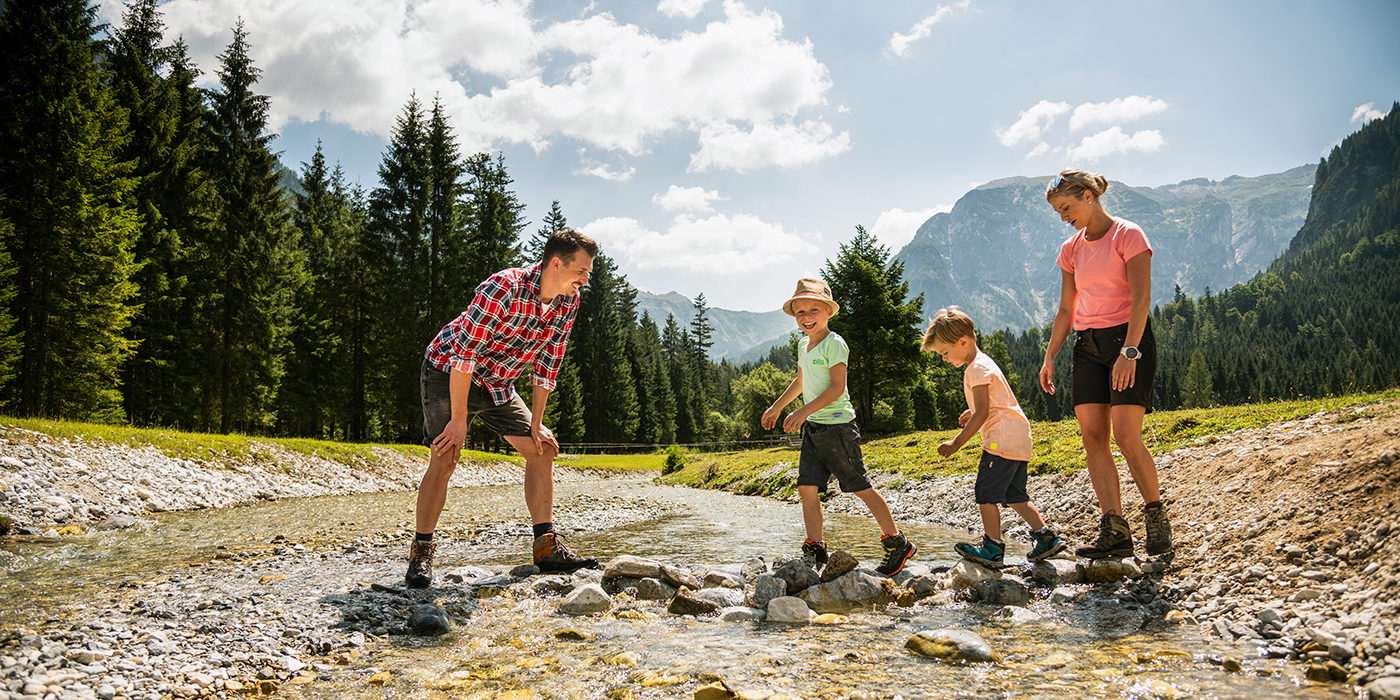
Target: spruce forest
x: 156, y: 269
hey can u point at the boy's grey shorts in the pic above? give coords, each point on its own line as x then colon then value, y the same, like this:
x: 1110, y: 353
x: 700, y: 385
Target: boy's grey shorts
x: 510, y: 419
x: 832, y: 450
x: 1000, y: 480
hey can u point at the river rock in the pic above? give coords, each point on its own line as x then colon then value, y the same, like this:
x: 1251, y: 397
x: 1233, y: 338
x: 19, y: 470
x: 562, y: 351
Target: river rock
x: 1018, y: 615
x: 722, y: 597
x: 1001, y: 591
x: 686, y: 602
x: 798, y: 575
x: 1053, y: 573
x: 524, y: 571
x: 753, y: 568
x: 628, y: 566
x: 1387, y: 688
x: 789, y: 609
x: 679, y: 577
x: 967, y: 574
x: 1063, y: 594
x: 586, y: 599
x: 923, y: 585
x: 765, y: 588
x: 553, y: 585
x: 429, y: 620
x: 839, y: 564
x: 856, y: 589
x: 654, y: 589
x: 1111, y: 570
x: 952, y: 645
x: 740, y: 613
x: 723, y: 579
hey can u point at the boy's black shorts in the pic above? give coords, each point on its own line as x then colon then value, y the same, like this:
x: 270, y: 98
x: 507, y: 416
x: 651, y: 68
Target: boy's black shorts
x: 1091, y: 374
x: 832, y: 450
x: 510, y: 419
x: 1000, y: 480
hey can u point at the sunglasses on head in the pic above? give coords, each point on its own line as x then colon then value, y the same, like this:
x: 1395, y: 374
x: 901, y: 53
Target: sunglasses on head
x: 1056, y: 182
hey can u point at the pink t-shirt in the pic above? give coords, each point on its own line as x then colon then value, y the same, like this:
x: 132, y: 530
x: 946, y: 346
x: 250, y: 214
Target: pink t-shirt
x: 1007, y: 432
x: 1100, y: 270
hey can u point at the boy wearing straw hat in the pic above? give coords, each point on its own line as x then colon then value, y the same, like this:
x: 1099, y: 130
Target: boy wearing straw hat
x: 830, y: 438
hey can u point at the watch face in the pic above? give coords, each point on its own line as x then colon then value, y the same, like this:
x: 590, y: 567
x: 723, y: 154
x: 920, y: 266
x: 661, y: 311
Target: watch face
x: 1132, y: 353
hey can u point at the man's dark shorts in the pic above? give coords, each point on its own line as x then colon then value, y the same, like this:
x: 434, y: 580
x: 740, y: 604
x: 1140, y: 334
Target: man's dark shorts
x: 1000, y: 480
x: 510, y: 419
x: 1091, y: 375
x: 832, y: 450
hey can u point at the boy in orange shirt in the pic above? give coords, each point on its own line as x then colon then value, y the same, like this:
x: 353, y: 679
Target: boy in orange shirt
x: 1006, y: 440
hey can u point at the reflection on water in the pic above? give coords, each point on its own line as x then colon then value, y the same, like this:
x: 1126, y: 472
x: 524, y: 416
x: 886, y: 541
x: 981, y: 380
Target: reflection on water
x: 509, y: 645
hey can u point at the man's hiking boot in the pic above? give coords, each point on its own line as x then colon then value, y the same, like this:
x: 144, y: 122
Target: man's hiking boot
x: 1159, y: 529
x: 989, y: 554
x: 814, y: 553
x: 552, y: 556
x: 898, y: 549
x: 420, y: 564
x: 1047, y: 544
x: 1115, y: 539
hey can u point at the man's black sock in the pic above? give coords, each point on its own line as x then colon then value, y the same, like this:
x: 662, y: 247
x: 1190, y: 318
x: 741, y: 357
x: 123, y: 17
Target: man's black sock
x: 423, y: 537
x: 543, y: 528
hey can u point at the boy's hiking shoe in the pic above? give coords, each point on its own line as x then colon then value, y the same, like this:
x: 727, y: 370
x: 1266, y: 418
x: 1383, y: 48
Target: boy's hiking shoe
x: 1159, y: 529
x: 898, y: 549
x: 989, y: 554
x: 814, y: 552
x: 552, y: 556
x: 420, y: 564
x: 1047, y: 544
x: 1115, y: 539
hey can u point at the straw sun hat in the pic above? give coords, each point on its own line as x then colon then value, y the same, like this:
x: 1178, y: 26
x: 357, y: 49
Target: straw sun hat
x: 814, y: 289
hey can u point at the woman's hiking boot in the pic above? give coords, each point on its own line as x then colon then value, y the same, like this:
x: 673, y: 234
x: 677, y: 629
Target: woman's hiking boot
x: 1047, y: 544
x: 420, y: 564
x: 552, y: 556
x: 898, y: 549
x: 990, y: 553
x: 1159, y: 528
x: 1115, y: 539
x: 815, y: 553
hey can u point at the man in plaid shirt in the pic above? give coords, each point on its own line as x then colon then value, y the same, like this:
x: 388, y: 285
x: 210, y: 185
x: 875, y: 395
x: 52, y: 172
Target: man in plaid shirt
x: 519, y: 319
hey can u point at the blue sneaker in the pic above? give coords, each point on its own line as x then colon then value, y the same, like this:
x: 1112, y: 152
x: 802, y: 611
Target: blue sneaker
x: 1047, y: 544
x: 989, y: 554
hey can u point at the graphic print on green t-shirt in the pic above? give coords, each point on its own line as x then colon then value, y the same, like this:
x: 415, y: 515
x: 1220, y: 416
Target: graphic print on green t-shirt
x: 816, y: 367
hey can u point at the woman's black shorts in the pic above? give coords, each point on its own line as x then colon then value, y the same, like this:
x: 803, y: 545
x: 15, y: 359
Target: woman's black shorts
x: 1091, y: 375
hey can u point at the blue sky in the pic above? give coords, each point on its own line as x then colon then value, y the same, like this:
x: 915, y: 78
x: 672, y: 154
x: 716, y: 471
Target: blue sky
x: 729, y: 147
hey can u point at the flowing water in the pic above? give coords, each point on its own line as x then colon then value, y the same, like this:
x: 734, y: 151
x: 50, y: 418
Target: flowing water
x: 508, y: 647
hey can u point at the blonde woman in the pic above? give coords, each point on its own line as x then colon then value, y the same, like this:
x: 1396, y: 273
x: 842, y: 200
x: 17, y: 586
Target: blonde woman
x: 1105, y: 295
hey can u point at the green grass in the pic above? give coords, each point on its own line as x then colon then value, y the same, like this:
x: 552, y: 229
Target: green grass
x: 1056, y: 445
x: 215, y: 448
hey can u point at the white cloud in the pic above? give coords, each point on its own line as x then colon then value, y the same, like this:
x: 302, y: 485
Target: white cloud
x: 506, y: 77
x: 681, y: 8
x: 686, y: 199
x: 724, y: 146
x: 896, y: 227
x: 899, y: 43
x: 1366, y: 113
x: 1114, y: 140
x: 719, y: 244
x: 1122, y: 109
x: 1040, y: 149
x: 1032, y: 122
x: 605, y: 173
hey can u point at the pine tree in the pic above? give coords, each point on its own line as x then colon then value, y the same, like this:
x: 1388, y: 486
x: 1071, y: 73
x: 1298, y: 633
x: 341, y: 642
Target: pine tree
x: 253, y: 256
x: 879, y: 325
x: 553, y: 221
x: 599, y: 347
x: 679, y: 360
x: 156, y: 83
x: 1196, y: 389
x: 657, y: 419
x: 564, y: 412
x: 701, y: 335
x: 495, y: 219
x: 66, y: 192
x: 398, y: 214
x: 9, y: 337
x: 448, y: 295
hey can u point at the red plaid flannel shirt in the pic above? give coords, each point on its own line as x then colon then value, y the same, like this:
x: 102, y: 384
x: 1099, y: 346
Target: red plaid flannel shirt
x: 505, y: 330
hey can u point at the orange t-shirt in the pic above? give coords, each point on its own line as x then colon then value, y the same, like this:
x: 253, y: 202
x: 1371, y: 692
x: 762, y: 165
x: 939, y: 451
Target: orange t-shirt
x: 1100, y: 270
x: 1007, y: 432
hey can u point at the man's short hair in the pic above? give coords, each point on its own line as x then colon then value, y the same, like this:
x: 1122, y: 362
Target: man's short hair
x: 565, y: 242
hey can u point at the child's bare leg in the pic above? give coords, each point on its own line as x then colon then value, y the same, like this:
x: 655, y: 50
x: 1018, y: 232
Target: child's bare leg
x: 811, y: 512
x: 1028, y: 512
x: 991, y: 520
x: 880, y: 509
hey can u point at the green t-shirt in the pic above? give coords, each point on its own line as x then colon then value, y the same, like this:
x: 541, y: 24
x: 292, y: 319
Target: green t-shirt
x: 816, y: 367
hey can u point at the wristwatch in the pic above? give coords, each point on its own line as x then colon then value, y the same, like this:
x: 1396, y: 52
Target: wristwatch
x: 1130, y: 352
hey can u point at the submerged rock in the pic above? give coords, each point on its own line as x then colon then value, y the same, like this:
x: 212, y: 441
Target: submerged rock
x: 429, y: 620
x: 1002, y: 591
x: 741, y: 614
x: 586, y: 599
x: 952, y: 645
x: 856, y: 589
x: 789, y: 609
x: 686, y: 602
